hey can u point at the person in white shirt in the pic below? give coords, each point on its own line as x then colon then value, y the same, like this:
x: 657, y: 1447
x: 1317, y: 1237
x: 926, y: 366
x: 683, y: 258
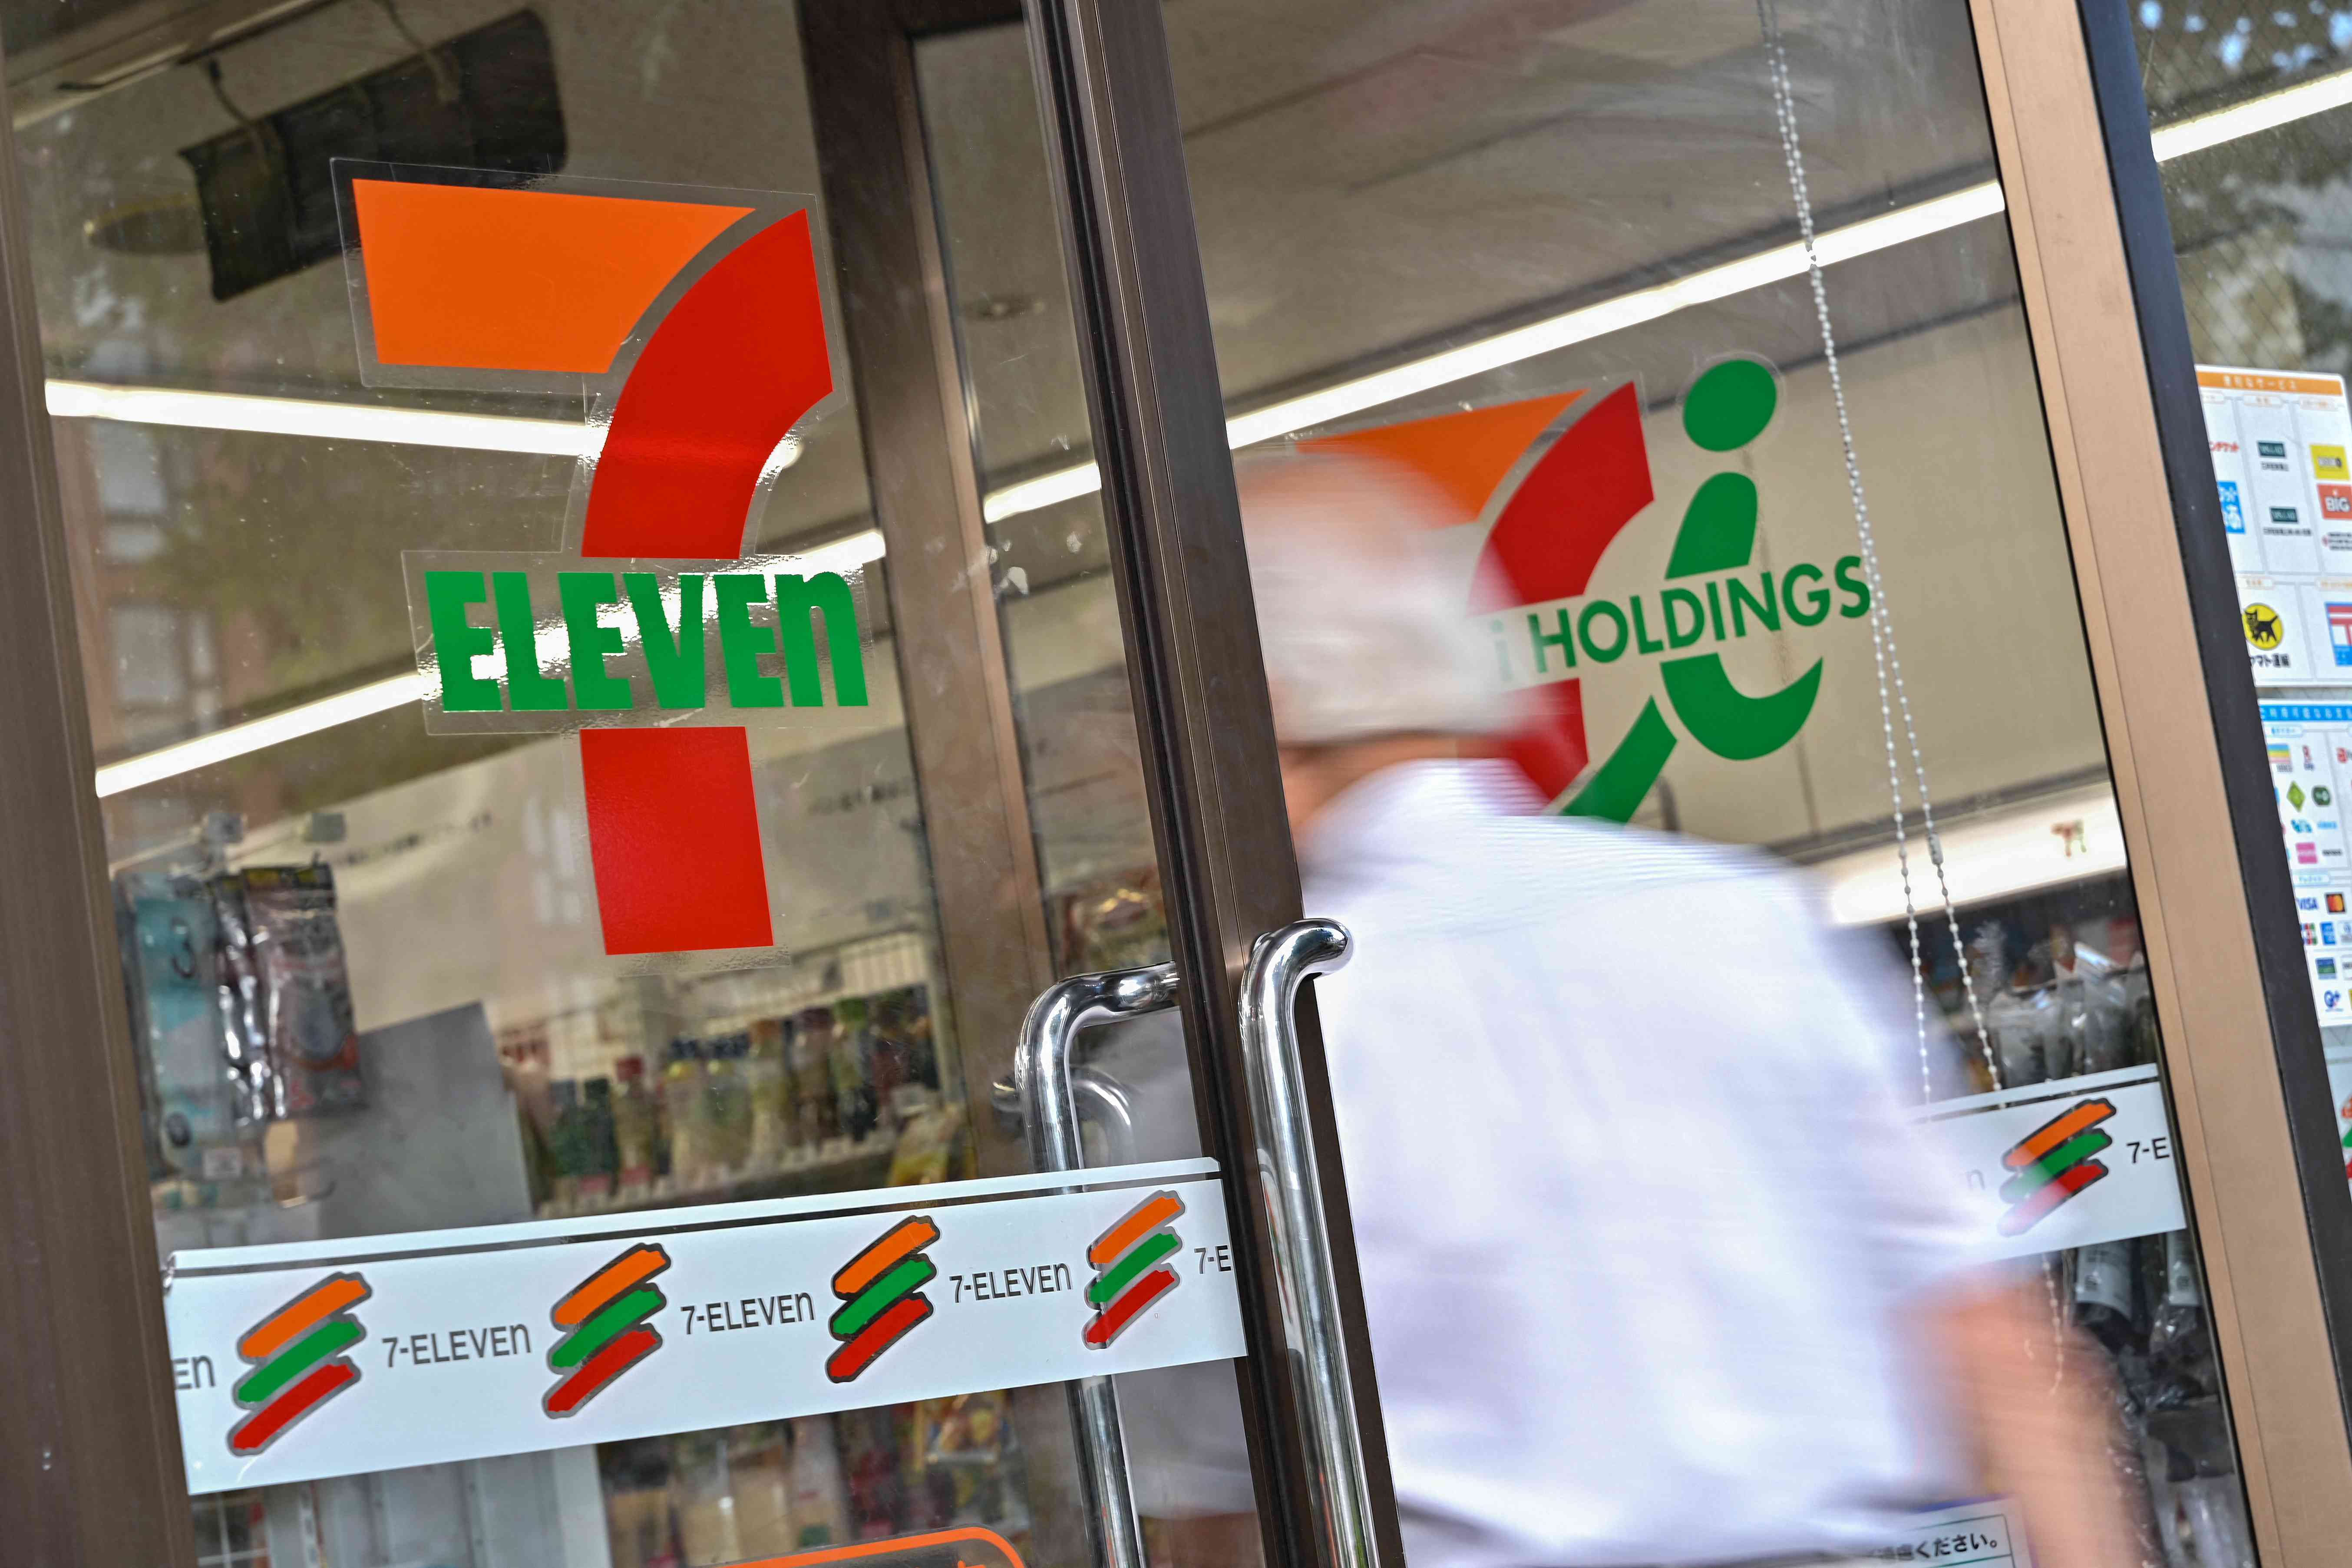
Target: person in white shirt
x: 1654, y: 1269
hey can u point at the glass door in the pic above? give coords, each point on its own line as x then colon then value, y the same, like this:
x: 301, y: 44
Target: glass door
x: 601, y: 827
x: 1682, y: 347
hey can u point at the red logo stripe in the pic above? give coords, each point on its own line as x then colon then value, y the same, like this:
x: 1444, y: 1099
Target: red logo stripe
x: 673, y: 822
x: 731, y: 368
x: 673, y: 834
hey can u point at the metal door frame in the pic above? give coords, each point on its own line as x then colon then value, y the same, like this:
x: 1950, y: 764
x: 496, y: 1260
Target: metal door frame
x: 88, y: 1457
x: 89, y: 1449
x: 89, y: 1466
x: 2264, y: 1176
x: 1203, y: 718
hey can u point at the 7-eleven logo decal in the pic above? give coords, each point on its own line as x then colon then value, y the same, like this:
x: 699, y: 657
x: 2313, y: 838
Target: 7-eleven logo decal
x: 695, y: 324
x: 296, y: 1361
x: 1548, y: 537
x: 1130, y: 1264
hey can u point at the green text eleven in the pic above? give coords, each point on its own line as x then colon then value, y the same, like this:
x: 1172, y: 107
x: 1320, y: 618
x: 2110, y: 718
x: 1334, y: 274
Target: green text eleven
x: 675, y: 650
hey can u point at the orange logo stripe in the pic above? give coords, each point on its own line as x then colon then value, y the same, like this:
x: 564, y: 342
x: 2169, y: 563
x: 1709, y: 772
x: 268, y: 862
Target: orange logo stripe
x: 1465, y: 455
x: 265, y: 1337
x: 2088, y: 1114
x: 483, y: 277
x: 911, y: 1235
x: 610, y: 1283
x: 1148, y: 1218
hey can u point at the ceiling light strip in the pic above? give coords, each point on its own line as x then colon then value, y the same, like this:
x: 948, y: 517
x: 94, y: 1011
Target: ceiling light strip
x: 1326, y: 404
x: 322, y: 419
x: 203, y: 751
x: 2267, y: 112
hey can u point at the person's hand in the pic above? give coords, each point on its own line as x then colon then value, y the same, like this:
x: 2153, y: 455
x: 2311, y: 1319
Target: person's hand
x: 2040, y: 1406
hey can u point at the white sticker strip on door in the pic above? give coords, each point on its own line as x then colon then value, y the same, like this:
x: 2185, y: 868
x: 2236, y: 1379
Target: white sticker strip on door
x: 368, y: 1355
x: 2069, y: 1163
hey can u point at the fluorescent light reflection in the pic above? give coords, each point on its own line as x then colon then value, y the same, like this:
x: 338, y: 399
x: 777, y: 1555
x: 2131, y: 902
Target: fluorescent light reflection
x: 427, y: 427
x: 2267, y: 112
x: 1570, y: 328
x: 220, y: 745
x: 330, y: 421
x: 2041, y: 844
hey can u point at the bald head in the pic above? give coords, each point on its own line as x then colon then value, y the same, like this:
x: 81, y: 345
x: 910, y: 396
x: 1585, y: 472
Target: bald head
x: 1367, y: 627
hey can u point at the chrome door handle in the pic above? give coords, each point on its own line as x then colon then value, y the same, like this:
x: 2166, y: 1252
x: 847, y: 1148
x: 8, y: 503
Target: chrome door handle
x: 1101, y: 1099
x: 1281, y: 962
x: 1043, y: 1083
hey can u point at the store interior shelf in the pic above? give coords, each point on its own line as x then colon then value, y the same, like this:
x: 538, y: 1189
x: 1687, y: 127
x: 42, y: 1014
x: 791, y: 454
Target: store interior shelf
x: 846, y: 1165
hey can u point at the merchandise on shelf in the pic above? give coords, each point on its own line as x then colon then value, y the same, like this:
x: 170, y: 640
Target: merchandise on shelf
x: 198, y: 1098
x: 288, y: 988
x: 240, y: 1013
x: 852, y: 1070
x: 814, y: 1482
x: 636, y: 1127
x: 688, y: 1115
x: 727, y: 1097
x: 819, y: 1109
x: 765, y: 1073
x: 2065, y: 989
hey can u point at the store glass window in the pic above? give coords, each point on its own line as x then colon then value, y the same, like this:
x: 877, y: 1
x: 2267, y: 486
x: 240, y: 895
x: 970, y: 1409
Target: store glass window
x: 1456, y: 238
x: 1468, y: 237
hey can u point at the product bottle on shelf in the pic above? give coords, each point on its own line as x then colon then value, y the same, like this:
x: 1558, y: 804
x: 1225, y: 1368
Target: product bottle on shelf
x: 853, y: 1083
x: 2026, y: 1035
x: 888, y: 1063
x: 800, y: 1120
x: 599, y: 1147
x: 812, y: 1077
x: 689, y: 1113
x: 764, y: 1072
x: 874, y: 1449
x: 566, y: 1141
x: 2105, y: 1297
x: 728, y: 1097
x: 820, y: 1506
x: 922, y: 1045
x: 2180, y: 1343
x: 633, y: 1125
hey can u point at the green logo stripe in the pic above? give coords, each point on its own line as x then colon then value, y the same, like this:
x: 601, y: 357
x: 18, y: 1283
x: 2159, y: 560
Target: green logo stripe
x: 1149, y: 1253
x: 1725, y: 719
x: 327, y: 1339
x: 2047, y: 1169
x: 605, y: 1327
x: 1617, y: 788
x: 1719, y: 531
x: 871, y: 1302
